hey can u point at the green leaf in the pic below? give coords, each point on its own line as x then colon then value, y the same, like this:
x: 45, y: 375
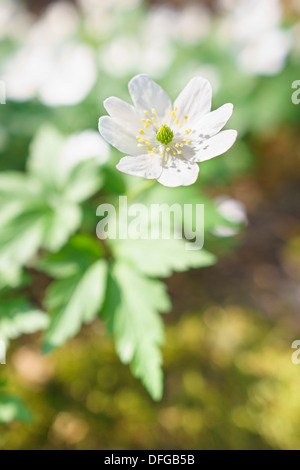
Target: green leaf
x: 78, y: 295
x: 159, y: 258
x: 80, y: 253
x: 17, y: 186
x: 41, y: 209
x: 77, y: 181
x: 60, y: 224
x: 45, y: 157
x: 20, y: 239
x: 13, y: 409
x: 84, y: 181
x: 132, y: 313
x: 18, y: 317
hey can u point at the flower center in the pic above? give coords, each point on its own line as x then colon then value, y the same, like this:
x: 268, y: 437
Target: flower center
x: 164, y: 135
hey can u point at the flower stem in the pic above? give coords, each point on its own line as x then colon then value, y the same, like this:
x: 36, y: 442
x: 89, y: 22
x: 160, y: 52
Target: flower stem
x: 137, y: 190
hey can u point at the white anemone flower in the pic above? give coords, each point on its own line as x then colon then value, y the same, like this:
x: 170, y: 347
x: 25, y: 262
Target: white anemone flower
x: 233, y: 211
x: 164, y: 141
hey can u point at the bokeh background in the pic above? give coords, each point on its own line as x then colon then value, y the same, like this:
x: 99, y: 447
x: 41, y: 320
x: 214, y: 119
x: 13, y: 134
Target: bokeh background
x: 229, y: 379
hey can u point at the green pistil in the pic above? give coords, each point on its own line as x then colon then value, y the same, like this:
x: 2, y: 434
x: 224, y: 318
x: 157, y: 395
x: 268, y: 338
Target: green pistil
x: 164, y: 135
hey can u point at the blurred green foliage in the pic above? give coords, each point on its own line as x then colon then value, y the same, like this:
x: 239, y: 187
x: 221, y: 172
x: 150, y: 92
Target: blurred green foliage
x: 230, y: 384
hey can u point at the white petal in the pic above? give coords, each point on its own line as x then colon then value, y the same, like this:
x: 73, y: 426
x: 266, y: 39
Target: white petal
x: 178, y: 172
x: 123, y: 113
x: 117, y: 136
x: 194, y: 100
x: 146, y: 95
x: 213, y: 122
x: 215, y: 146
x: 143, y: 165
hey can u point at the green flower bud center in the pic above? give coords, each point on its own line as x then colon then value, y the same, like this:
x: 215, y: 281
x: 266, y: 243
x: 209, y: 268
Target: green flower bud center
x: 164, y: 135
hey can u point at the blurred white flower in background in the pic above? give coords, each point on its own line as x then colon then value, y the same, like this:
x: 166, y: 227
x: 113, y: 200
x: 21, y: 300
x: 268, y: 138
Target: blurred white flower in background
x: 156, y: 58
x: 194, y: 23
x: 90, y: 5
x: 190, y: 24
x: 58, y: 76
x: 129, y: 55
x: 208, y: 71
x: 234, y: 212
x: 254, y: 27
x: 83, y: 146
x: 72, y: 75
x: 98, y: 20
x: 161, y: 22
x: 15, y: 20
x: 59, y: 22
x: 120, y: 57
x: 266, y: 57
x: 25, y: 71
x: 51, y: 65
x: 100, y: 15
